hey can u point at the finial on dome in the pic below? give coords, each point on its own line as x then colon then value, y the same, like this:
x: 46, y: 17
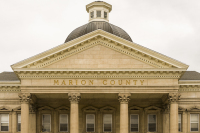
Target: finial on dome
x: 98, y: 11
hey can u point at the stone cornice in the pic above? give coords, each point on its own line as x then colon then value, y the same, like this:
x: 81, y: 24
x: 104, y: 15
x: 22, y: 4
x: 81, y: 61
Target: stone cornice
x: 99, y: 73
x: 103, y: 38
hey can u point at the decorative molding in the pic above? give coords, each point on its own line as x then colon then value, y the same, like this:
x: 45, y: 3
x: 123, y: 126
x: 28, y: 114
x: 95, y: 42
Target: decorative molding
x: 195, y: 108
x: 63, y: 108
x: 124, y: 98
x: 192, y: 88
x: 90, y: 109
x: 74, y: 97
x: 107, y: 109
x: 17, y: 108
x: 181, y: 108
x: 32, y: 108
x: 116, y: 43
x: 152, y: 108
x: 24, y: 97
x: 46, y: 108
x: 5, y: 108
x: 133, y: 108
x: 174, y: 97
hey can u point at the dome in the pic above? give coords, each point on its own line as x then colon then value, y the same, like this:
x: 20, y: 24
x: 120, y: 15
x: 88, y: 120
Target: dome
x: 95, y: 25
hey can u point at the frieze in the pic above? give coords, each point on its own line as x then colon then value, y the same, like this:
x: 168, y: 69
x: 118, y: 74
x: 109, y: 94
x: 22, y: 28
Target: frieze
x: 99, y: 82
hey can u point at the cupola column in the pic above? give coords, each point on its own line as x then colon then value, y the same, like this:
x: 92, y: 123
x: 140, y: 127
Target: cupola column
x: 124, y: 99
x: 173, y: 100
x: 25, y: 100
x: 74, y: 99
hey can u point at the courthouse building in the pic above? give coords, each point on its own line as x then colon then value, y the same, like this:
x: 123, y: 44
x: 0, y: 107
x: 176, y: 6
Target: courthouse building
x: 99, y: 81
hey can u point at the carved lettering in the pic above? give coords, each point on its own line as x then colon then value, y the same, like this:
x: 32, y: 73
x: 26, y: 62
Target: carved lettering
x: 127, y: 82
x: 63, y: 83
x: 91, y: 82
x: 142, y: 81
x: 135, y: 81
x: 105, y: 82
x: 120, y: 82
x: 56, y: 82
x: 112, y: 82
x: 83, y: 82
x: 70, y: 82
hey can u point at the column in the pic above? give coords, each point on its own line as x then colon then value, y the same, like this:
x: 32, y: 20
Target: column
x: 124, y: 99
x: 173, y: 100
x: 74, y: 98
x: 24, y: 99
x: 14, y: 122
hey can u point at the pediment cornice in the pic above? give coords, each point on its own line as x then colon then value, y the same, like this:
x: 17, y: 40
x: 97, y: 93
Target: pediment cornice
x: 100, y: 37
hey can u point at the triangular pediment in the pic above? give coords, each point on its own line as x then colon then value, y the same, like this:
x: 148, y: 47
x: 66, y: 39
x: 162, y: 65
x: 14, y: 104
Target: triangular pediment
x: 140, y: 57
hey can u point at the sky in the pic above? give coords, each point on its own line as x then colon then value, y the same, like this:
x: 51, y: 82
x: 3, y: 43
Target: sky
x: 170, y: 27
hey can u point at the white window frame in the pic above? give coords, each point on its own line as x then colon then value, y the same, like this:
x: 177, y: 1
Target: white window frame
x: 138, y: 122
x: 1, y: 122
x: 18, y: 122
x: 148, y: 122
x: 86, y: 122
x: 191, y: 122
x: 64, y: 123
x: 50, y: 120
x: 180, y: 122
x: 111, y: 122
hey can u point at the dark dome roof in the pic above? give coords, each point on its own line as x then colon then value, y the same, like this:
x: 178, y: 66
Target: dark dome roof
x: 95, y: 25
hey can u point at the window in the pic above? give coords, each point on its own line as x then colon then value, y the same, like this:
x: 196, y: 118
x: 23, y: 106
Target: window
x: 105, y: 14
x: 134, y: 121
x: 19, y: 122
x: 98, y: 13
x: 107, y: 122
x: 90, y: 122
x: 92, y: 14
x: 179, y: 122
x: 194, y: 122
x: 4, y: 122
x: 46, y: 123
x: 63, y: 122
x: 152, y: 123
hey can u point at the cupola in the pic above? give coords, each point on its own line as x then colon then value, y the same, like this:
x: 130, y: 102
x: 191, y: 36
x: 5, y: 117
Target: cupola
x: 99, y: 11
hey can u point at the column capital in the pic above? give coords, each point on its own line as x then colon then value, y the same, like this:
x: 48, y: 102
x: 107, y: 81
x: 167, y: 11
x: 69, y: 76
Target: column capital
x: 74, y: 97
x: 174, y: 97
x: 24, y: 97
x: 124, y: 97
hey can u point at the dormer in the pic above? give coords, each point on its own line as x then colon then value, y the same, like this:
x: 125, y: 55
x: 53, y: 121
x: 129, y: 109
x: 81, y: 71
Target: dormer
x: 99, y: 11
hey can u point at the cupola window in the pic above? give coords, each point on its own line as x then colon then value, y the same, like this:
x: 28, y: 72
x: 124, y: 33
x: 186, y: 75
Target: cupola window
x: 98, y: 13
x: 92, y: 14
x: 105, y: 15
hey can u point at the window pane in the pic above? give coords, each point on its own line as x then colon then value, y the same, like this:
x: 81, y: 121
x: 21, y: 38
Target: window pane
x: 194, y: 118
x: 63, y: 118
x: 19, y: 126
x: 152, y: 118
x: 90, y: 121
x: 19, y: 118
x: 105, y: 14
x: 92, y: 14
x: 98, y: 13
x: 152, y: 123
x: 134, y: 123
x: 63, y: 127
x: 4, y: 118
x: 46, y: 119
x: 152, y: 127
x: 179, y: 122
x: 4, y: 127
x: 107, y: 121
x: 194, y: 126
x: 179, y: 127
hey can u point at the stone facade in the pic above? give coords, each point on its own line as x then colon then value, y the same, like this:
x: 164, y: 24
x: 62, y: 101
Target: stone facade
x: 99, y: 83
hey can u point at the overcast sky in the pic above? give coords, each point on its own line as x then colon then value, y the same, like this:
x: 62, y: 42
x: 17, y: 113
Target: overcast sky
x: 170, y: 27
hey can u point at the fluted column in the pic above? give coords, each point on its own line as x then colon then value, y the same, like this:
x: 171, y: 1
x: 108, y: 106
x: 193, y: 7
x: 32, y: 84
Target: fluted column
x: 173, y: 100
x: 74, y: 99
x: 124, y: 99
x: 24, y: 99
